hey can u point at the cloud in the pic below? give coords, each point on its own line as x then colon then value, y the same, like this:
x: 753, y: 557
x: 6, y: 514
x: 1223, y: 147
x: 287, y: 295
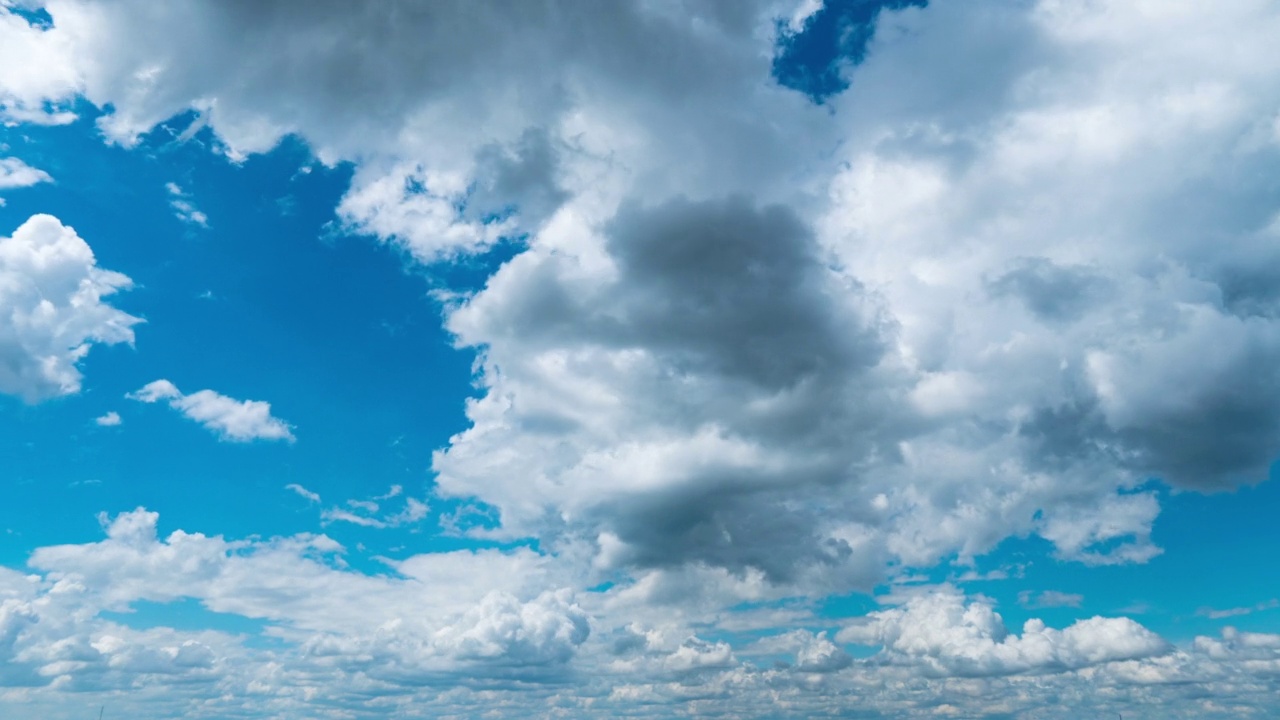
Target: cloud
x: 111, y: 419
x: 956, y: 355
x: 461, y: 629
x: 303, y: 492
x: 1018, y: 276
x: 53, y: 293
x: 1049, y: 599
x: 944, y: 635
x: 16, y: 174
x: 1214, y: 614
x: 366, y: 513
x: 470, y: 631
x: 36, y: 67
x: 230, y: 419
x: 183, y: 208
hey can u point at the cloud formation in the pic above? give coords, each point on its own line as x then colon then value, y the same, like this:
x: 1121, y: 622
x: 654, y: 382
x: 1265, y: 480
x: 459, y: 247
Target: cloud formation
x: 479, y: 631
x: 15, y: 174
x: 949, y: 637
x: 749, y: 349
x: 230, y: 419
x: 52, y: 293
x: 945, y: 333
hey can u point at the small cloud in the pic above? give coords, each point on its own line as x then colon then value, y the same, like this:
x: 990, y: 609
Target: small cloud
x: 231, y: 419
x: 183, y: 208
x: 14, y: 173
x: 1213, y: 614
x: 310, y: 496
x: 365, y: 512
x: 1049, y: 599
x: 333, y: 515
x: 111, y: 419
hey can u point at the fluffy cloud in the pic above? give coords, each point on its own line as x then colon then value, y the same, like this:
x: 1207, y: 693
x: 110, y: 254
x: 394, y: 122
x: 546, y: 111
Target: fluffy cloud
x: 947, y: 636
x: 36, y: 67
x: 230, y: 419
x: 52, y: 292
x: 750, y: 347
x: 477, y: 631
x: 425, y: 623
x: 15, y: 174
x: 727, y: 344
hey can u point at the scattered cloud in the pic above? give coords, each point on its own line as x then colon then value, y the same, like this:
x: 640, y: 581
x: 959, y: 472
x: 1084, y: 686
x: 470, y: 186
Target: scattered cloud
x: 1213, y: 614
x: 1049, y: 599
x: 303, y: 492
x: 944, y: 635
x: 477, y: 631
x: 748, y: 348
x: 183, y: 208
x: 111, y: 419
x: 230, y: 419
x: 370, y: 513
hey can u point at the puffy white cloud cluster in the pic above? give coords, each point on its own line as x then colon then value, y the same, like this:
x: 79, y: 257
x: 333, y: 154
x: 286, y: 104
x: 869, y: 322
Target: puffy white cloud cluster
x: 431, y: 621
x: 230, y: 419
x: 948, y: 636
x: 472, y: 632
x: 53, y: 309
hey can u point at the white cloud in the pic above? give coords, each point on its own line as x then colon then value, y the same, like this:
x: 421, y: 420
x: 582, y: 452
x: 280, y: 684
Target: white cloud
x: 230, y: 419
x: 183, y: 208
x: 753, y: 349
x: 1214, y: 614
x: 369, y: 513
x: 944, y: 635
x: 52, y: 290
x: 303, y: 492
x: 16, y: 174
x: 111, y: 419
x: 478, y: 631
x: 35, y: 68
x: 1049, y: 599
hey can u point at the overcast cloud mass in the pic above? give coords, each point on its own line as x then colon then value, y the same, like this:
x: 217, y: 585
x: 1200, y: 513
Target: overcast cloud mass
x: 826, y: 359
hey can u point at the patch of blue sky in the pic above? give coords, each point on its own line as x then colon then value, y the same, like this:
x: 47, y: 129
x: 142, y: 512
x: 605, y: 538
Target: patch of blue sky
x: 184, y: 614
x: 814, y: 60
x: 270, y: 301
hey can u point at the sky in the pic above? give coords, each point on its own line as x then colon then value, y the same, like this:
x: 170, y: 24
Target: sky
x: 648, y: 359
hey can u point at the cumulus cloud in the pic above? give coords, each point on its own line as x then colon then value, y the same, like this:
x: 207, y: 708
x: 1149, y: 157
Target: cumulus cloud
x: 16, y: 174
x: 970, y: 336
x: 111, y: 419
x: 53, y: 292
x: 479, y: 630
x: 946, y: 636
x: 1049, y: 599
x: 230, y: 419
x: 749, y: 347
x: 371, y: 513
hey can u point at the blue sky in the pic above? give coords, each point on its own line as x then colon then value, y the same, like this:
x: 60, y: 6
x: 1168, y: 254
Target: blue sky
x: 857, y: 359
